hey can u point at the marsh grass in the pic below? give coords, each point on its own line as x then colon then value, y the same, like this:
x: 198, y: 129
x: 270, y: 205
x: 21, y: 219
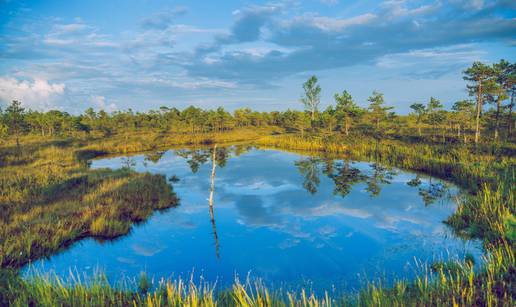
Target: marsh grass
x: 469, y: 167
x: 49, y: 198
x: 149, y: 140
x: 454, y: 283
x: 488, y: 213
x: 52, y: 200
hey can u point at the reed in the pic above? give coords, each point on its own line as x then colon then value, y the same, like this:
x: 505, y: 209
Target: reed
x: 455, y: 284
x: 49, y: 198
x: 152, y: 140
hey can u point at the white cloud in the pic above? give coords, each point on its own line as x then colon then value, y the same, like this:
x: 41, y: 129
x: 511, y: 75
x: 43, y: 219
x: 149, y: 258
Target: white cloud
x: 57, y: 41
x: 189, y: 84
x: 396, y: 9
x: 37, y: 94
x: 334, y: 24
x: 202, y: 83
x: 188, y: 29
x: 432, y: 61
x: 447, y: 55
x: 162, y: 20
x: 69, y: 28
x: 76, y: 34
x: 100, y: 103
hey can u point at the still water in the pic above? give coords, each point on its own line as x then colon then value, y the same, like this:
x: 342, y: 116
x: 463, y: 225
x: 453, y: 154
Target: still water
x: 288, y: 219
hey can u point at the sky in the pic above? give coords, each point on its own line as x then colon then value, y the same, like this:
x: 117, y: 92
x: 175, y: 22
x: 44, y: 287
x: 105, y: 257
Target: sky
x: 142, y: 54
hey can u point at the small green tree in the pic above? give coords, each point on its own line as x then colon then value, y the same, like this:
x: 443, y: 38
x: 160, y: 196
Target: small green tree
x: 377, y: 109
x: 495, y: 94
x: 312, y: 96
x: 4, y: 129
x: 463, y: 113
x: 329, y: 118
x: 435, y: 115
x: 14, y: 115
x: 346, y: 109
x: 478, y: 74
x: 301, y: 122
x: 420, y: 112
x: 505, y: 79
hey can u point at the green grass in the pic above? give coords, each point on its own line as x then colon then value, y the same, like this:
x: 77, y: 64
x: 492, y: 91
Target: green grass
x: 50, y: 198
x: 453, y: 284
x: 55, y: 205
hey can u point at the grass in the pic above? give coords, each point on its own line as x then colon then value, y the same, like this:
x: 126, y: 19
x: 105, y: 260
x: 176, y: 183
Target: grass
x: 453, y: 284
x: 150, y: 140
x: 488, y: 214
x: 49, y: 199
x: 50, y: 203
x: 466, y: 166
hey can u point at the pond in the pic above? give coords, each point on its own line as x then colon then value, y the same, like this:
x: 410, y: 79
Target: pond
x: 288, y: 219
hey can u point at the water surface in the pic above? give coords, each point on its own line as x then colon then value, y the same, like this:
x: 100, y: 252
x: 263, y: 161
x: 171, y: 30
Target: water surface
x: 288, y: 219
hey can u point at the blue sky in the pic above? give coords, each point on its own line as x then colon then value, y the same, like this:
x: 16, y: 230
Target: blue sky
x: 141, y: 54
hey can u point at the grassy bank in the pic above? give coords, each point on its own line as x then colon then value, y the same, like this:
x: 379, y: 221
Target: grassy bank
x: 50, y: 198
x: 488, y: 214
x: 150, y: 140
x: 48, y: 184
x: 470, y: 167
x: 452, y: 284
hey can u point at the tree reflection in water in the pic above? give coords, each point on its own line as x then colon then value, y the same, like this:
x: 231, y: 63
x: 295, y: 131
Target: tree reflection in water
x: 212, y: 189
x: 431, y: 192
x: 154, y: 156
x: 381, y: 175
x: 343, y: 174
x: 346, y: 177
x: 309, y: 169
x: 194, y: 158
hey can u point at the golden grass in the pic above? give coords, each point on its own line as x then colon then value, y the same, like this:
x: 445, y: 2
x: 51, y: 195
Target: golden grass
x: 50, y: 198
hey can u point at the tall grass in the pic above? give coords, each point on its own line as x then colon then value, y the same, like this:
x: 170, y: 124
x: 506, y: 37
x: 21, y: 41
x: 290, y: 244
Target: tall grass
x: 149, y: 140
x: 452, y: 285
x: 489, y: 214
x: 50, y: 198
x: 465, y: 166
x: 296, y: 142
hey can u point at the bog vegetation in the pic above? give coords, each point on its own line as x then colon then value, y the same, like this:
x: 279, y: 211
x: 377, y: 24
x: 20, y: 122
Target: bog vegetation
x: 50, y: 198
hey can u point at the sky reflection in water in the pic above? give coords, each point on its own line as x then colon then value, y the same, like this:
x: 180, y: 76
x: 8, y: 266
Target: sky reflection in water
x: 282, y: 217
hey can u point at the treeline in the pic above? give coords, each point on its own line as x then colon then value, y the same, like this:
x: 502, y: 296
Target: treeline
x: 492, y: 85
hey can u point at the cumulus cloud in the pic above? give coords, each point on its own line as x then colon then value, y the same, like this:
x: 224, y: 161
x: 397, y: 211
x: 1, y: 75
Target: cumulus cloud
x: 76, y: 35
x: 397, y: 9
x: 163, y: 20
x: 69, y: 28
x: 36, y: 94
x: 100, y: 103
x: 431, y: 62
x: 160, y: 58
x: 249, y: 23
x: 322, y: 42
x: 330, y: 24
